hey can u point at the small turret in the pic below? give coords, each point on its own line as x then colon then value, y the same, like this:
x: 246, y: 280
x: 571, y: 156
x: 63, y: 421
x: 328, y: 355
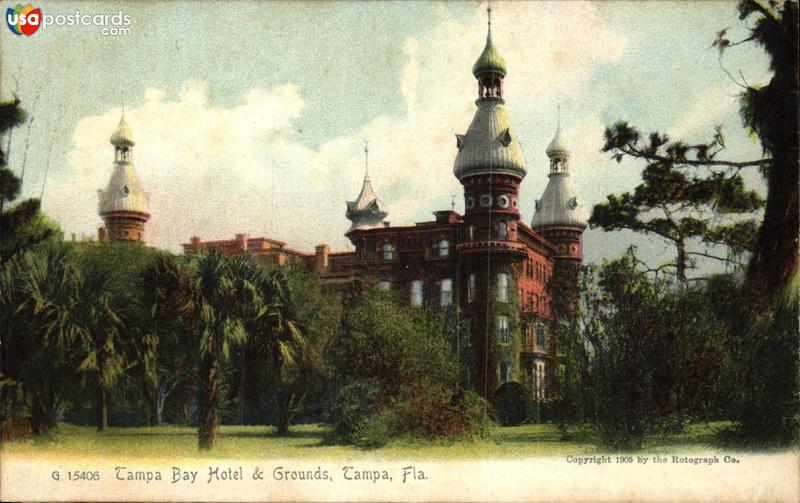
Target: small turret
x: 123, y: 205
x: 367, y: 211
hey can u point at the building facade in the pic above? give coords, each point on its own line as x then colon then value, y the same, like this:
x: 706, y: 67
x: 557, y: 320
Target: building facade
x: 487, y: 268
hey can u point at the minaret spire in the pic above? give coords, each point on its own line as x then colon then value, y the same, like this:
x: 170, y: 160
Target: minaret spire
x: 489, y: 12
x: 366, y: 159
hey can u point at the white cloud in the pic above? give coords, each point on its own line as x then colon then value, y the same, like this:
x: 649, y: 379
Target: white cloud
x: 218, y: 171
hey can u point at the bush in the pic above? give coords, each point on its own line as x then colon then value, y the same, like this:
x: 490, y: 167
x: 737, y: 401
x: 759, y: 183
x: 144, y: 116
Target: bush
x: 511, y: 404
x: 375, y: 430
x: 437, y: 412
x: 354, y: 404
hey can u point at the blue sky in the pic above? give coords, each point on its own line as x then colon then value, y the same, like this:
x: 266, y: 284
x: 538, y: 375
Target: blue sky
x: 249, y: 116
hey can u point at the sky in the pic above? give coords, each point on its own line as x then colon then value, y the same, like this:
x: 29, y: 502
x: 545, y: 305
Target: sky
x: 250, y: 117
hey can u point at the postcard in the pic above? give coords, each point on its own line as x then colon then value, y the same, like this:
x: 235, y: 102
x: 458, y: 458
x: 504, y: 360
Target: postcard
x: 399, y: 251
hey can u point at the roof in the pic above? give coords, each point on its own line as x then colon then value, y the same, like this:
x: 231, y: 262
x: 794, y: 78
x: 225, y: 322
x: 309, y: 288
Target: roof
x: 122, y: 137
x: 557, y: 146
x: 490, y: 60
x: 559, y: 205
x: 489, y: 144
x: 367, y: 210
x: 124, y: 192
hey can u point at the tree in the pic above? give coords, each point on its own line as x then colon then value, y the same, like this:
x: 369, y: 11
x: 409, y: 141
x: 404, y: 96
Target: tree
x: 639, y: 357
x: 396, y: 373
x: 319, y: 312
x: 677, y: 203
x: 211, y: 304
x: 770, y: 113
x: 276, y: 350
x: 37, y: 358
x: 168, y: 357
x: 21, y: 225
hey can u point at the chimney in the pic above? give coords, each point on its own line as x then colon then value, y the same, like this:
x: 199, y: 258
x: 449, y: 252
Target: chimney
x: 321, y: 258
x: 241, y: 241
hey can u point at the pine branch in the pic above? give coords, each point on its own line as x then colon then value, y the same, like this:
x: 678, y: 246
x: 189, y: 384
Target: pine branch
x: 634, y: 152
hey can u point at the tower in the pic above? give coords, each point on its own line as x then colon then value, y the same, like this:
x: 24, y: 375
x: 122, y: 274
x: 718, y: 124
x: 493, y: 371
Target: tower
x: 558, y: 216
x: 367, y: 211
x: 490, y: 166
x: 124, y: 204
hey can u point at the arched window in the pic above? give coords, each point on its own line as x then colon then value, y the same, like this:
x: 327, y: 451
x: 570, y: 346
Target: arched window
x: 503, y: 330
x: 444, y: 248
x: 502, y: 231
x: 388, y: 251
x: 505, y: 371
x: 471, y: 286
x: 416, y: 292
x: 446, y: 293
x: 502, y: 287
x: 471, y: 232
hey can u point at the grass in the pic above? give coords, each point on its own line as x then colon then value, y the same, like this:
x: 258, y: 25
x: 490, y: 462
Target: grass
x: 307, y: 442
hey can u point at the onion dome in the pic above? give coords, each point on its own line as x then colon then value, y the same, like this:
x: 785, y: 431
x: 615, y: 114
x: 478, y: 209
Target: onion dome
x: 122, y: 137
x: 557, y: 147
x: 489, y: 144
x: 490, y: 60
x: 559, y: 206
x: 124, y: 192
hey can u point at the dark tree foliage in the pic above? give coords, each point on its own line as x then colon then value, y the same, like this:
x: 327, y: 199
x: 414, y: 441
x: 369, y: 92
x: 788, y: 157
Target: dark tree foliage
x: 640, y: 357
x: 21, y: 224
x: 396, y: 373
x: 678, y: 203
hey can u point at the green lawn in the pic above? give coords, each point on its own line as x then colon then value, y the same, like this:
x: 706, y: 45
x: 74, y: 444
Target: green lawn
x: 260, y: 442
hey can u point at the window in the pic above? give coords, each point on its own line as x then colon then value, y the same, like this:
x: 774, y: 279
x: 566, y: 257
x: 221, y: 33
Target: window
x: 444, y: 248
x: 503, y: 332
x: 384, y: 285
x: 502, y: 231
x: 416, y: 292
x: 471, y: 286
x: 388, y: 251
x: 471, y: 232
x: 446, y: 293
x: 503, y: 201
x: 540, y: 337
x: 502, y: 287
x: 505, y: 371
x: 470, y: 203
x: 539, y: 380
x: 486, y: 200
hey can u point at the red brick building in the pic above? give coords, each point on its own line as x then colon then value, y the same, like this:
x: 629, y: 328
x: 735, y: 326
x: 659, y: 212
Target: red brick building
x: 488, y: 268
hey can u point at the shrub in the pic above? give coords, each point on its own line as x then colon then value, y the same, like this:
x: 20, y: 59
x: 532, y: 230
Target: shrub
x: 375, y: 430
x: 354, y: 404
x: 511, y: 403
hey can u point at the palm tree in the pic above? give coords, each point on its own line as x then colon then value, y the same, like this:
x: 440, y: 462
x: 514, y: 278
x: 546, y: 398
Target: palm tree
x: 212, y: 303
x: 30, y: 361
x: 276, y: 347
x: 167, y: 353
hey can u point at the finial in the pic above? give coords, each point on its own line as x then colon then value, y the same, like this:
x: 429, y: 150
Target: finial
x: 489, y: 12
x: 366, y: 159
x: 558, y: 124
